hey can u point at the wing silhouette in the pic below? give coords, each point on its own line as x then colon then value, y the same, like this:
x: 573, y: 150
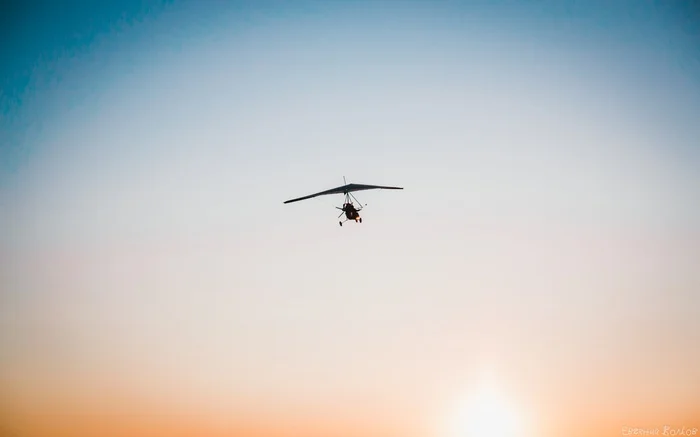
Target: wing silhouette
x: 349, y: 188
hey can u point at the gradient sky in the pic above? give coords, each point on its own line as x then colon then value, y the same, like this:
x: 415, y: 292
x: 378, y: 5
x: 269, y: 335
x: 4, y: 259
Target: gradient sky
x: 546, y: 244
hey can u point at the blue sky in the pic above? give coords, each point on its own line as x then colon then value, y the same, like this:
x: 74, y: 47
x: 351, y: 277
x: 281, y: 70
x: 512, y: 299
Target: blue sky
x: 548, y: 150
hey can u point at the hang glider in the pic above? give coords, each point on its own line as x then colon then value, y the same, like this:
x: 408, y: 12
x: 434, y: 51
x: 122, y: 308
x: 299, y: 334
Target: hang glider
x: 351, y: 211
x: 345, y: 189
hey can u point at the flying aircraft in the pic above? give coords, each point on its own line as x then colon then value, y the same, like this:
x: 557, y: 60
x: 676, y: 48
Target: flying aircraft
x: 349, y: 209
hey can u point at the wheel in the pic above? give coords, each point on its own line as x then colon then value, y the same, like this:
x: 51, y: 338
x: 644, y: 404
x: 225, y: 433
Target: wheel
x: 360, y: 219
x: 340, y: 223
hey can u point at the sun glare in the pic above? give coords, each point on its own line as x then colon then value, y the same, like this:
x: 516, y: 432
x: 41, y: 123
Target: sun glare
x: 485, y: 414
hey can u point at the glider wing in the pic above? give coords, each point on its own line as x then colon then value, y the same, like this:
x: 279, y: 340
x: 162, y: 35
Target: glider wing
x: 345, y: 189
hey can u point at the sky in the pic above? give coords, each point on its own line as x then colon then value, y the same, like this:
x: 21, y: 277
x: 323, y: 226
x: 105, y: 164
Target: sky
x: 539, y: 269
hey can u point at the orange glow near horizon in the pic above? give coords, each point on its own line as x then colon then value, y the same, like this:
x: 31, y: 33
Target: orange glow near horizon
x: 477, y: 414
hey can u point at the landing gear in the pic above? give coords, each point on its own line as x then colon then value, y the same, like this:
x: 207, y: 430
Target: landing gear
x: 360, y: 219
x: 340, y: 223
